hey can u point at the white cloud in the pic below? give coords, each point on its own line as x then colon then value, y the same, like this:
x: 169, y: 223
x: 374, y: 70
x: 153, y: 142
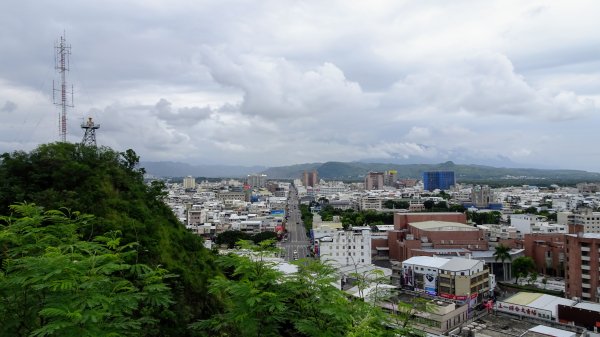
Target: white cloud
x: 281, y: 82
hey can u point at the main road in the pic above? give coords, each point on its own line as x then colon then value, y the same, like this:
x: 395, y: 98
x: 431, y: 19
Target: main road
x: 295, y: 244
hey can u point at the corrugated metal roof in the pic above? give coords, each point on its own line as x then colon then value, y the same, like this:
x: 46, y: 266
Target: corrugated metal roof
x: 549, y: 302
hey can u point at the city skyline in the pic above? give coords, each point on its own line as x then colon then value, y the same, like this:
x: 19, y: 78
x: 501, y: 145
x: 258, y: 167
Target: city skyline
x: 285, y: 82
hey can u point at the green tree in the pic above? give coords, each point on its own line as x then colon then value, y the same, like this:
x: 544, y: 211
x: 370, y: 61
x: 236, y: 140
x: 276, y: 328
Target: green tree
x: 262, y: 236
x: 261, y: 301
x: 428, y: 204
x: 522, y: 266
x: 502, y: 253
x: 53, y: 283
x: 110, y: 186
x: 230, y: 238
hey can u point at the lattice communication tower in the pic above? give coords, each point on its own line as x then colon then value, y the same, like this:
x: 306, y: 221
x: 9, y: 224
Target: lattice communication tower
x: 61, y: 95
x: 89, y: 137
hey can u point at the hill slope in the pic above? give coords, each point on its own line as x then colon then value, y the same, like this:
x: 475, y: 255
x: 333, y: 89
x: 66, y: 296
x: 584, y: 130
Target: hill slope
x: 108, y: 185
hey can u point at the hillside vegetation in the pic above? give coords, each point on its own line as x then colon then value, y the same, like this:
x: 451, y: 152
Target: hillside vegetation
x: 88, y: 249
x: 108, y: 185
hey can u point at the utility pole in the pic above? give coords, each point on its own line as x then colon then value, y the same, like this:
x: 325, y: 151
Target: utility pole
x: 61, y: 61
x: 89, y: 137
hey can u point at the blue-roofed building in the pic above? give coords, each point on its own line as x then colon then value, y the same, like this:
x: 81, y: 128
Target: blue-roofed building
x: 438, y: 180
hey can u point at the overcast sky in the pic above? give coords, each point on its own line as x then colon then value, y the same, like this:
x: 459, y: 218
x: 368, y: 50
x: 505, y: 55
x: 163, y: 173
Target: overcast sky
x: 283, y: 82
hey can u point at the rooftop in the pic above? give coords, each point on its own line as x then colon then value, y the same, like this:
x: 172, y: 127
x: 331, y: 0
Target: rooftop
x: 429, y: 261
x: 459, y: 263
x: 539, y: 301
x: 434, y: 225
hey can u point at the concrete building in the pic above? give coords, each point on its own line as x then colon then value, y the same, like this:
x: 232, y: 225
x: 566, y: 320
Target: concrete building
x: 343, y: 247
x: 256, y: 180
x: 374, y: 181
x: 482, y: 196
x: 438, y: 180
x: 582, y: 266
x: 524, y: 222
x: 310, y: 178
x: 585, y: 220
x: 189, y: 182
x: 430, y: 238
x: 533, y: 305
x: 390, y: 177
x: 453, y: 278
x: 497, y: 232
x: 547, y: 251
x: 371, y: 202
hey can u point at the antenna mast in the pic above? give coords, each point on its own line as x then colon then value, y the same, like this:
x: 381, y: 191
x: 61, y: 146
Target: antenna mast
x: 61, y: 60
x: 89, y: 137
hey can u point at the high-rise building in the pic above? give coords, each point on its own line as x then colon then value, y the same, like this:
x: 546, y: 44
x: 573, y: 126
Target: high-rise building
x: 438, y: 180
x: 310, y: 178
x: 374, y: 181
x: 189, y: 182
x: 390, y: 177
x: 256, y: 180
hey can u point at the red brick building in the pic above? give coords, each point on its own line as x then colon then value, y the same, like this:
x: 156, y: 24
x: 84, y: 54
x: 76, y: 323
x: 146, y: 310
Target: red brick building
x: 419, y: 234
x: 547, y: 251
x: 582, y: 263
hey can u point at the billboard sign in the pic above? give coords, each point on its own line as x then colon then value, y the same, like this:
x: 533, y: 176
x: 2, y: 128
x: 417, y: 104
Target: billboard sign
x: 430, y: 283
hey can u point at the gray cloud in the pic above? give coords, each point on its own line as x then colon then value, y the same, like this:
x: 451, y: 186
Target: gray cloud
x: 9, y: 106
x: 283, y: 82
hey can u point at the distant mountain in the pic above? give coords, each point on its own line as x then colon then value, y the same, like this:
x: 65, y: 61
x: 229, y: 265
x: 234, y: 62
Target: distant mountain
x: 357, y: 171
x: 177, y: 169
x: 290, y: 172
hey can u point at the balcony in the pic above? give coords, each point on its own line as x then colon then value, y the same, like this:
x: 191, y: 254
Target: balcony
x: 585, y: 249
x: 585, y: 258
x: 585, y: 267
x: 585, y: 276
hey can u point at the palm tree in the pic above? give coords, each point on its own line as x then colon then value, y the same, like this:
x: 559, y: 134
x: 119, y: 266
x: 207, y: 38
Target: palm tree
x: 502, y: 253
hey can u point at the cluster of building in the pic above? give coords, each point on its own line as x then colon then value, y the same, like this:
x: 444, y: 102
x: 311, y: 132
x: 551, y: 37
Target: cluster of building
x: 441, y: 255
x: 252, y: 205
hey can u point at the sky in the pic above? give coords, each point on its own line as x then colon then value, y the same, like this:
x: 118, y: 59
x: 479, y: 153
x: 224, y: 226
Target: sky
x: 278, y: 82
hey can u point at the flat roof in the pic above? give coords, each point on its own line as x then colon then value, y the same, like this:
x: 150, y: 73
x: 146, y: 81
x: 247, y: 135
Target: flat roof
x: 427, y: 261
x: 522, y: 298
x: 434, y: 225
x: 548, y: 331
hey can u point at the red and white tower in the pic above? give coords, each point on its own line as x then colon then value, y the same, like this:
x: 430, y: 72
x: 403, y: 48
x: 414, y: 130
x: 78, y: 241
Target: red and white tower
x: 60, y: 95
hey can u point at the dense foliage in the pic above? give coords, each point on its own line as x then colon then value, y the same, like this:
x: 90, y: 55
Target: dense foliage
x: 55, y: 283
x: 108, y: 185
x: 230, y: 238
x: 262, y: 301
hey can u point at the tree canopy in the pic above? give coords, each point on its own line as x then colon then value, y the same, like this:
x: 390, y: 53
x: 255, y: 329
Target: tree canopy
x: 109, y: 185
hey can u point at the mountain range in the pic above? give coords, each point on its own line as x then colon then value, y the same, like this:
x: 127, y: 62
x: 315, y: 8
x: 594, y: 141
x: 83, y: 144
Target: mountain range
x: 357, y: 170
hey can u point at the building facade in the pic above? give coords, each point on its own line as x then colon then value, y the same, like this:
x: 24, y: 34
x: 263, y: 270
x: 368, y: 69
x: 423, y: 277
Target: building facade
x: 438, y: 180
x: 343, y: 247
x: 189, y: 182
x: 256, y: 180
x: 582, y: 266
x: 310, y: 178
x: 374, y: 181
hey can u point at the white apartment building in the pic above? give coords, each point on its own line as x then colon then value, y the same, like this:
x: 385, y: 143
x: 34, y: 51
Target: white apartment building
x: 495, y: 232
x: 371, y: 202
x: 524, y: 222
x: 189, y: 182
x: 343, y: 247
x: 588, y: 218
